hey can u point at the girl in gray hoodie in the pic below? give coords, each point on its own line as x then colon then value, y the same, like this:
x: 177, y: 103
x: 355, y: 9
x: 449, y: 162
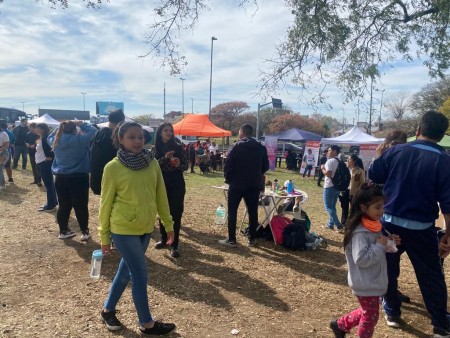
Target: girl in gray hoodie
x: 366, y: 259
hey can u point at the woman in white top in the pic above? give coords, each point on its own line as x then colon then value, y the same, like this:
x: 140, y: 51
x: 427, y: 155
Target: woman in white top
x: 44, y: 159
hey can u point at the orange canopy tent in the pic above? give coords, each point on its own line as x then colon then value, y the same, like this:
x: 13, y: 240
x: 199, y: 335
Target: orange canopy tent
x: 198, y: 125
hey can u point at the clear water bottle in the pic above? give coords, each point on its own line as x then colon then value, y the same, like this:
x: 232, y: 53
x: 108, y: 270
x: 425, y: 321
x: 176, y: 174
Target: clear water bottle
x: 96, y: 264
x: 220, y: 215
x: 290, y: 187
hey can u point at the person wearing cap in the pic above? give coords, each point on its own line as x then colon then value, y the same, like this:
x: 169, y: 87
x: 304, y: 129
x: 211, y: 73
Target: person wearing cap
x: 103, y: 149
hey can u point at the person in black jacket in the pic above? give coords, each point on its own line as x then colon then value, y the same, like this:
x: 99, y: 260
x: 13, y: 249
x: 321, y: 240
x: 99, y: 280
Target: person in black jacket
x: 30, y: 143
x: 244, y: 170
x: 170, y: 155
x: 103, y: 150
x: 44, y: 158
x: 20, y: 148
x: 322, y: 160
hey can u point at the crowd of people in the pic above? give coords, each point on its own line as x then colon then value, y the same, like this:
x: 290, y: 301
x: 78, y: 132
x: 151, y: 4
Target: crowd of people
x: 392, y: 213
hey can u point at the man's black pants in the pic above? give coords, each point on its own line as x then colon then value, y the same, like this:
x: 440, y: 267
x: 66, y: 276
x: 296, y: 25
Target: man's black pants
x: 251, y: 198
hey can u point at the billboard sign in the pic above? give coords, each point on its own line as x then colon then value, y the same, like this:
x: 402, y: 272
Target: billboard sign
x: 104, y: 108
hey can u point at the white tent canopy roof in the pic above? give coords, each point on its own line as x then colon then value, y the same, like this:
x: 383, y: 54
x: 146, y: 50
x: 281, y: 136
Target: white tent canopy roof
x: 105, y: 124
x: 47, y: 119
x: 353, y: 136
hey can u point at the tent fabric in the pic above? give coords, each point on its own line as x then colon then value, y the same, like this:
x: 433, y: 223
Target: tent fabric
x: 295, y: 134
x: 47, y: 119
x: 198, y: 125
x: 105, y: 124
x: 445, y: 142
x: 353, y: 136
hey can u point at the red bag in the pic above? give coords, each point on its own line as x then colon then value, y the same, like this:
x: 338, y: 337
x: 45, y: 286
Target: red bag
x: 278, y: 223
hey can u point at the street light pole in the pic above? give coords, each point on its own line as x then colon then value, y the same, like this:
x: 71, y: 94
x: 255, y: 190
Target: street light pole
x: 381, y: 107
x: 23, y: 105
x: 182, y: 94
x: 370, y: 107
x: 192, y: 105
x: 210, y: 74
x: 84, y: 100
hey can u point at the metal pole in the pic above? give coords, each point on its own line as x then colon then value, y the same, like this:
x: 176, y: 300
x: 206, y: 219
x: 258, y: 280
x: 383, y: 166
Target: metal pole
x: 84, y: 100
x: 210, y: 75
x: 257, y: 122
x: 192, y: 105
x: 164, y: 113
x: 381, y: 107
x: 370, y: 108
x: 182, y: 94
x: 23, y: 105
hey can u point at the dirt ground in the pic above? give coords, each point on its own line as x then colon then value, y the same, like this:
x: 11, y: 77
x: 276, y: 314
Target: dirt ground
x: 266, y: 291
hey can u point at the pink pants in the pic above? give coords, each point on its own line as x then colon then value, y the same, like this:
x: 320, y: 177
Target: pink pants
x: 365, y: 317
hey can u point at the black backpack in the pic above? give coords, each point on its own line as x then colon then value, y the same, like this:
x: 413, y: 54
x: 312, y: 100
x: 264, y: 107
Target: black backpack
x: 294, y: 237
x: 341, y: 178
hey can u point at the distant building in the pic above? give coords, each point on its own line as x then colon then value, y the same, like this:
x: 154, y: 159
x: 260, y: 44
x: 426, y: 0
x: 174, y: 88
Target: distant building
x: 63, y: 114
x: 154, y: 122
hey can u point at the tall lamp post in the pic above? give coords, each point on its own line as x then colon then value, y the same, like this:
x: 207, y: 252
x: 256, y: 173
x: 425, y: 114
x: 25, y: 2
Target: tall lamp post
x: 381, y: 107
x: 192, y: 101
x: 23, y: 105
x: 210, y: 74
x: 84, y: 100
x: 182, y: 94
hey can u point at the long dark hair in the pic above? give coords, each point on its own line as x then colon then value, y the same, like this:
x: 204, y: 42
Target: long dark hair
x: 358, y: 162
x: 159, y: 144
x: 44, y: 127
x: 120, y: 130
x: 367, y: 195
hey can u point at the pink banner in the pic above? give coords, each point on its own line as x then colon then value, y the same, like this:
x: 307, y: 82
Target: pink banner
x: 271, y: 146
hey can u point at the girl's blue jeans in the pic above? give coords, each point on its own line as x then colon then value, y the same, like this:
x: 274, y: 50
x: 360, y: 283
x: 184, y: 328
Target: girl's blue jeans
x: 133, y: 265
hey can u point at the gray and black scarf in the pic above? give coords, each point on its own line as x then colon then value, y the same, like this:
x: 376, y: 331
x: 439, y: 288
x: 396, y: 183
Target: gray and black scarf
x: 136, y: 161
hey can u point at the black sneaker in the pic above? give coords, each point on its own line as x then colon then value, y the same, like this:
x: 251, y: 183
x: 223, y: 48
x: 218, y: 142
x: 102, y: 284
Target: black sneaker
x: 159, y: 329
x: 338, y: 333
x: 392, y: 321
x: 111, y: 321
x: 251, y: 242
x: 10, y: 180
x: 174, y: 253
x: 440, y: 332
x: 67, y: 234
x: 227, y: 242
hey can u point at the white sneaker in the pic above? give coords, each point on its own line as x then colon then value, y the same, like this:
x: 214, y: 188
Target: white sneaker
x: 85, y: 237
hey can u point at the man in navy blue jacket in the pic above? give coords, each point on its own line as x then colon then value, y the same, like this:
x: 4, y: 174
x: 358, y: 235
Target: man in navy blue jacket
x: 244, y: 168
x: 416, y: 177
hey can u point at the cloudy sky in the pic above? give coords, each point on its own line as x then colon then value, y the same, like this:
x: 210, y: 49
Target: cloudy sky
x: 50, y: 56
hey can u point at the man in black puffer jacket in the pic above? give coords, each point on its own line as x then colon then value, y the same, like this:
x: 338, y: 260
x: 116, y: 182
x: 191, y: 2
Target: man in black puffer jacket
x: 103, y: 150
x: 244, y: 170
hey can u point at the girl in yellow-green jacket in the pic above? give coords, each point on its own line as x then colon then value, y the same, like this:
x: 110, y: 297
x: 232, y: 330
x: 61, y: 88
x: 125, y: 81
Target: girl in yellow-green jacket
x: 132, y: 193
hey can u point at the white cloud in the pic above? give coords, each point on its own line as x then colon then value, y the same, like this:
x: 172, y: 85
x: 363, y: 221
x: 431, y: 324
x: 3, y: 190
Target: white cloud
x: 50, y: 56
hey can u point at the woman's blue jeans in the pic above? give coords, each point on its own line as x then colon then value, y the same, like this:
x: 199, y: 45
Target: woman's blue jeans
x: 45, y: 170
x: 330, y: 197
x: 133, y: 265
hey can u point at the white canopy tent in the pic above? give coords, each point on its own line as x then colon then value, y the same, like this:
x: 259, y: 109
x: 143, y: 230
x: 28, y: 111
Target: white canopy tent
x: 353, y: 136
x: 47, y: 119
x: 105, y: 124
